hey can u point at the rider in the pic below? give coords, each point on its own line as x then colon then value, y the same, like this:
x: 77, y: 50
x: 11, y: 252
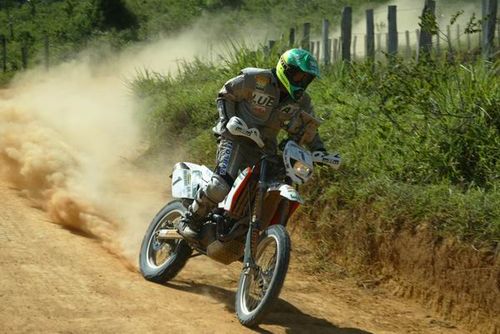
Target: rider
x: 265, y: 99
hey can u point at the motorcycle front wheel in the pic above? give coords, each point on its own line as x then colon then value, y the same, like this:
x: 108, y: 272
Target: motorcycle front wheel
x: 259, y: 287
x: 161, y: 260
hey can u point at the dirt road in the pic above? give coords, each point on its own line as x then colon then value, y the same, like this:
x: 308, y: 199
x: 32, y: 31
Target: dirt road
x: 55, y: 281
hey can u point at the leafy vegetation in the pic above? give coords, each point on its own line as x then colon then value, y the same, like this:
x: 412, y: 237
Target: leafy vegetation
x: 71, y: 26
x: 420, y: 141
x: 68, y: 25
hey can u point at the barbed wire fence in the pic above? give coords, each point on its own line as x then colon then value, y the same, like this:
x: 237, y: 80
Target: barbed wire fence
x: 428, y: 38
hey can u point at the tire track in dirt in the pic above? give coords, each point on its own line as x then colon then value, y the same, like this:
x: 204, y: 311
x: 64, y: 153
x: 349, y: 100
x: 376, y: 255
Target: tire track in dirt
x: 55, y: 280
x: 61, y: 167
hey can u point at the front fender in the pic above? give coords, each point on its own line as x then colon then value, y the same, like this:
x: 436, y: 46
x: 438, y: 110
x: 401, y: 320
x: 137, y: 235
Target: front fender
x: 287, y: 192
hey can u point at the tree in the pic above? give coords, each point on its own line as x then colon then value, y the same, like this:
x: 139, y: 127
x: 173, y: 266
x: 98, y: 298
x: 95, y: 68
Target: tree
x: 115, y: 14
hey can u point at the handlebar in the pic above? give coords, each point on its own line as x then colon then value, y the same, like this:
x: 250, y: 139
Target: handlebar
x: 238, y: 127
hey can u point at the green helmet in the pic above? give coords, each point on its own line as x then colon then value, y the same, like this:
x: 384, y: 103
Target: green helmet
x: 296, y: 69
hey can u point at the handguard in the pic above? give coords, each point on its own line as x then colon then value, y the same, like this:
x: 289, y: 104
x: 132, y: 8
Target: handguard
x: 238, y: 127
x: 325, y: 158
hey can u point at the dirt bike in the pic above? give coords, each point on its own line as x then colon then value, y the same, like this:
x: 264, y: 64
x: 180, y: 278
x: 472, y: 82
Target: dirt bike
x: 248, y: 226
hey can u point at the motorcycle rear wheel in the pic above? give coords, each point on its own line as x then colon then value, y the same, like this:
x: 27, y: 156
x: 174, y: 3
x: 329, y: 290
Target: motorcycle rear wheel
x: 259, y: 288
x: 162, y: 260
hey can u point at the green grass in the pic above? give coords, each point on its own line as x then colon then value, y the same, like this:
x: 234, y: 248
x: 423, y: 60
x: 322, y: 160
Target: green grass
x: 419, y: 141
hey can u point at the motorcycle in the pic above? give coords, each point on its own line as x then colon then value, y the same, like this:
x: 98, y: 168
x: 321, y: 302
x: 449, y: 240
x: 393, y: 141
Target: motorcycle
x: 248, y: 226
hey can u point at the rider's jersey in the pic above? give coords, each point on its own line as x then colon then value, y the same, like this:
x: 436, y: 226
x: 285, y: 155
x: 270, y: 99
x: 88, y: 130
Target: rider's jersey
x: 254, y: 96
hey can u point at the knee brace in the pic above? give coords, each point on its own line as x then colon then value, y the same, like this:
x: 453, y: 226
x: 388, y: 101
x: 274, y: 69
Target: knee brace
x: 217, y: 189
x: 210, y: 195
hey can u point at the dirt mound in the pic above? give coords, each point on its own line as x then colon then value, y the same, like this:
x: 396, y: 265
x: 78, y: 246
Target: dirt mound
x: 459, y: 282
x: 454, y: 279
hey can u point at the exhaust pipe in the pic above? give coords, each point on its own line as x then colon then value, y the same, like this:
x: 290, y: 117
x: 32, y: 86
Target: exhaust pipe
x: 168, y: 234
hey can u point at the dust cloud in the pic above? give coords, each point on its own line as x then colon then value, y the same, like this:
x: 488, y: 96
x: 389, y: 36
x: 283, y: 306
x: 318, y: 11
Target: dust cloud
x: 69, y: 137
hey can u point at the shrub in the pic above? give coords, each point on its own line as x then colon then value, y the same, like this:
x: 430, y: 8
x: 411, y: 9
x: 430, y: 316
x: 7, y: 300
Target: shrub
x: 420, y: 141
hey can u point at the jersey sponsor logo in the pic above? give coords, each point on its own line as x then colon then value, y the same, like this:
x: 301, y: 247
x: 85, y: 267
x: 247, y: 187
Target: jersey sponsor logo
x: 225, y: 154
x: 261, y: 81
x: 290, y: 109
x: 261, y: 101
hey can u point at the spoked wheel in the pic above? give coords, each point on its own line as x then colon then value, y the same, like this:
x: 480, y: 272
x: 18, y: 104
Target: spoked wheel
x: 160, y: 260
x: 260, y: 286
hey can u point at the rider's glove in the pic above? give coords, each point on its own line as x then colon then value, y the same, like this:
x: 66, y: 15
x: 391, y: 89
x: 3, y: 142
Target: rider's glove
x: 323, y: 157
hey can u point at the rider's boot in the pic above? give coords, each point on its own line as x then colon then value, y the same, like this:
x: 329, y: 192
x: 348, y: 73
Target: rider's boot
x: 190, y: 225
x: 206, y: 199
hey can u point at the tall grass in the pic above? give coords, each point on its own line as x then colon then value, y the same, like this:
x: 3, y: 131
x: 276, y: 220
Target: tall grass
x: 420, y: 141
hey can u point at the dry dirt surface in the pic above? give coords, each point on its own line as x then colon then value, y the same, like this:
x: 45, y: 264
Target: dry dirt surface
x: 53, y: 280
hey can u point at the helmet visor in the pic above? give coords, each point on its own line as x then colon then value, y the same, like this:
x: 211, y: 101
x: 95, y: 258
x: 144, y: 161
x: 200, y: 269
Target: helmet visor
x: 298, y: 77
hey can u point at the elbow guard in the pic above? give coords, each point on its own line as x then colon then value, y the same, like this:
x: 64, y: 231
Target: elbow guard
x: 225, y: 109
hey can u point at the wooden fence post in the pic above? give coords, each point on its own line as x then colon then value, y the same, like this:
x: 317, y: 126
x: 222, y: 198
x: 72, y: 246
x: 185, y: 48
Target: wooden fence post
x: 318, y: 49
x: 498, y: 34
x: 339, y: 46
x: 11, y: 28
x: 46, y: 53
x: 346, y: 31
x: 428, y: 14
x: 489, y: 20
x: 365, y: 42
x: 392, y: 47
x: 335, y: 49
x: 306, y: 37
x: 459, y: 45
x: 291, y: 38
x: 379, y: 42
x: 408, y: 47
x: 417, y: 53
x: 450, y: 55
x: 438, y: 45
x: 330, y: 42
x: 370, y: 35
x: 24, y: 56
x: 329, y: 47
x: 354, y: 43
x: 448, y: 37
x: 272, y: 43
x: 326, y: 49
x: 3, y: 40
x: 468, y: 43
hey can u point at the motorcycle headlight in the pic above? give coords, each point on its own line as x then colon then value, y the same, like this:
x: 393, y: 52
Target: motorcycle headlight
x: 302, y: 170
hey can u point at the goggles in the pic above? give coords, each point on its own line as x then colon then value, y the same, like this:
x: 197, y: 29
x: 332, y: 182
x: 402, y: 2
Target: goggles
x: 297, y: 77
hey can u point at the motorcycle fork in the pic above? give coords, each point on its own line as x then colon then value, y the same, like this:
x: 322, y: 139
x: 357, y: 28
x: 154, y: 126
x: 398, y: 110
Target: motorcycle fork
x: 253, y: 233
